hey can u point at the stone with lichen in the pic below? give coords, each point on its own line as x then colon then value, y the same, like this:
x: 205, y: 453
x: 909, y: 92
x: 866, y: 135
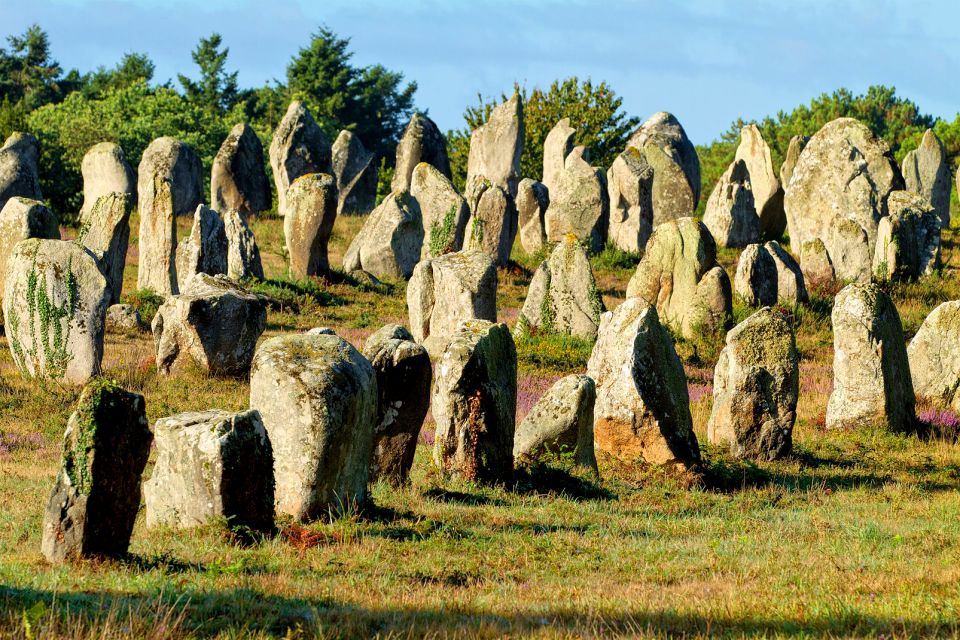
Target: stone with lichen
x: 908, y: 239
x: 444, y: 211
x: 243, y: 254
x: 422, y: 142
x: 19, y: 158
x: 355, y: 169
x: 20, y: 219
x: 238, y: 181
x: 310, y: 211
x: 205, y: 249
x: 630, y: 192
x: 105, y: 170
x: 389, y: 243
x: 106, y: 233
x: 298, y: 147
x: 934, y: 355
x: 533, y: 200
x: 579, y: 203
x: 496, y: 146
x: 926, y: 172
x: 731, y: 213
x: 492, y: 227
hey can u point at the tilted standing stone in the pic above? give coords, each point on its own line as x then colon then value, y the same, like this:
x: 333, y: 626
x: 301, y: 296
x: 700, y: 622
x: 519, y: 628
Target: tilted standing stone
x: 630, y: 192
x: 563, y: 296
x: 445, y: 212
x: 493, y: 220
x: 213, y: 322
x: 446, y: 291
x: 756, y: 280
x: 311, y: 210
x: 908, y: 239
x: 389, y: 244
x: 94, y: 502
x: 243, y: 254
x: 298, y: 148
x: 105, y: 170
x: 532, y: 201
x: 934, y: 355
x: 871, y: 372
x: 238, y: 181
x: 926, y: 172
x: 731, y: 213
x: 210, y: 465
x: 205, y: 250
x: 356, y: 174
x: 797, y: 144
x: 475, y: 403
x: 560, y: 424
x: 20, y: 219
x: 19, y: 176
x: 318, y: 399
x: 556, y: 147
x: 767, y: 192
x: 403, y: 387
x: 496, y: 146
x: 579, y: 204
x: 755, y: 387
x: 676, y: 167
x: 54, y: 307
x: 643, y: 408
x: 106, y: 234
x: 422, y: 142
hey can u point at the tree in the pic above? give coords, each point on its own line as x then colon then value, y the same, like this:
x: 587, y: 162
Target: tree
x: 216, y: 91
x: 132, y: 68
x: 27, y: 72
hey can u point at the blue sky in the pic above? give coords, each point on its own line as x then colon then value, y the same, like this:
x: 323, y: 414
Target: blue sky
x: 708, y: 62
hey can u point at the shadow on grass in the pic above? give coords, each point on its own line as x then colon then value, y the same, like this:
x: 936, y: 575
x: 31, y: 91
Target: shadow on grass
x: 459, y: 497
x: 546, y: 480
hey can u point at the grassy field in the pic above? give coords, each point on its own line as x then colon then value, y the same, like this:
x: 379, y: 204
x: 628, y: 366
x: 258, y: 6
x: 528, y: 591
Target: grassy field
x: 857, y: 534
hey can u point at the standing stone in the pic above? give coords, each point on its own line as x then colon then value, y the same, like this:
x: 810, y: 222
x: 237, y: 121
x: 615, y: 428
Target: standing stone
x: 106, y: 234
x: 403, y: 388
x: 389, y: 244
x: 124, y: 318
x: 496, y: 146
x: 475, y: 404
x: 311, y: 210
x: 643, y: 408
x: 731, y: 214
x: 298, y: 148
x: 238, y: 181
x: 791, y: 285
x: 211, y: 465
x: 871, y: 372
x: 756, y: 280
x: 318, y: 399
x: 850, y: 250
x: 96, y: 496
x: 926, y: 172
x: 908, y: 239
x: 563, y: 296
x: 422, y: 142
x: 934, y: 355
x: 815, y: 263
x: 560, y: 424
x: 755, y: 387
x: 105, y: 170
x: 54, y: 306
x: 19, y: 176
x: 493, y: 220
x: 797, y: 145
x: 177, y: 162
x: 243, y: 254
x: 445, y: 212
x: 579, y: 204
x: 630, y: 192
x: 533, y: 199
x: 556, y: 147
x: 676, y: 178
x: 214, y: 323
x: 20, y: 219
x: 205, y: 251
x: 446, y: 291
x: 767, y: 192
x: 356, y: 174
x: 680, y: 276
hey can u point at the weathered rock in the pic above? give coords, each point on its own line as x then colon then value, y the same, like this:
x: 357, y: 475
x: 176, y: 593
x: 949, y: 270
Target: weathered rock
x: 755, y: 387
x: 444, y: 211
x: 446, y: 291
x: 815, y: 263
x: 403, y: 388
x: 797, y: 144
x: 680, y: 276
x: 298, y: 148
x: 356, y: 174
x: 213, y: 322
x: 205, y: 250
x: 563, y: 296
x: 579, y: 204
x: 677, y: 157
x: 934, y: 355
x: 791, y: 285
x: 850, y: 250
x: 311, y: 210
x: 96, y: 496
x: 643, y: 408
x: 389, y: 243
x: 731, y: 215
x: 54, y: 305
x: 756, y: 280
x: 475, y: 403
x: 19, y: 156
x: 493, y: 220
x: 20, y: 219
x: 176, y: 161
x: 105, y: 170
x: 560, y: 424
x: 421, y: 142
x: 926, y: 172
x: 871, y: 372
x: 238, y: 181
x: 532, y: 201
x: 318, y: 399
x: 124, y: 318
x: 908, y: 239
x: 767, y: 191
x: 211, y: 465
x: 243, y: 254
x: 496, y: 146
x: 106, y: 233
x: 556, y: 147
x: 630, y: 192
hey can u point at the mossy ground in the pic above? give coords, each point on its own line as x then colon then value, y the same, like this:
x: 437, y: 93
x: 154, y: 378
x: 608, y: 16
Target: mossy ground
x: 856, y: 534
